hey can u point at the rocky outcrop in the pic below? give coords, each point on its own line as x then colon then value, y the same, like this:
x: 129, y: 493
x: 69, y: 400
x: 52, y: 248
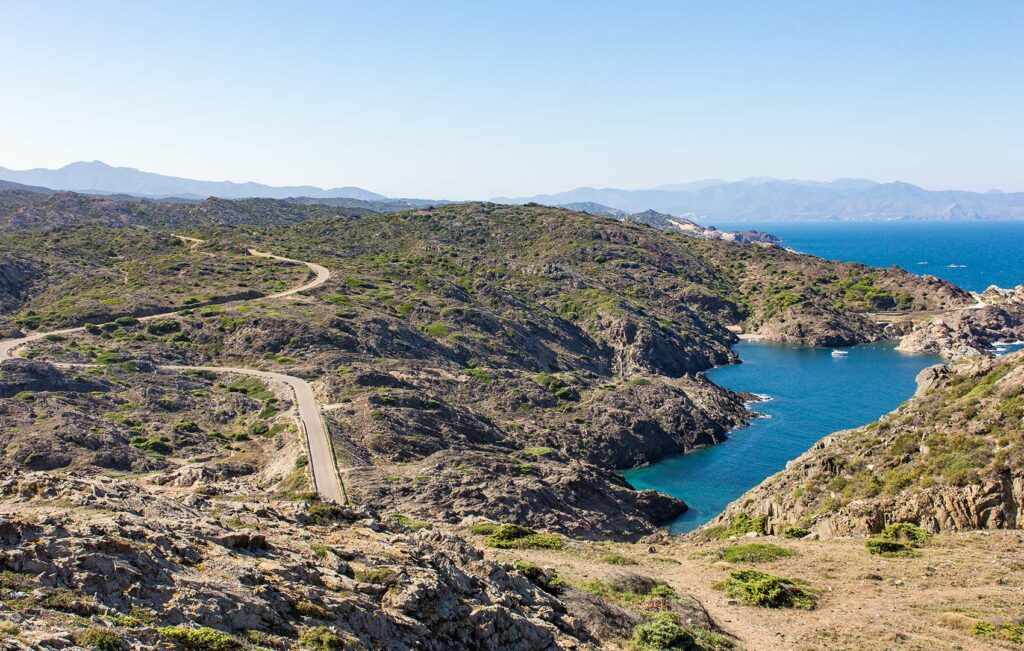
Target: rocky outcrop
x: 168, y: 564
x: 972, y: 332
x: 80, y: 553
x: 822, y: 327
x: 642, y: 347
x: 550, y: 492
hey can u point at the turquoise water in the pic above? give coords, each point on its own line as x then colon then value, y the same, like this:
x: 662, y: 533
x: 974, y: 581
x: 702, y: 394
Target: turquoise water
x: 812, y: 394
x: 986, y: 253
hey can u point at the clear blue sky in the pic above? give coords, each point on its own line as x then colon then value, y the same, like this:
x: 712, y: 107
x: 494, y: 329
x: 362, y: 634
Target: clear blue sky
x: 475, y: 99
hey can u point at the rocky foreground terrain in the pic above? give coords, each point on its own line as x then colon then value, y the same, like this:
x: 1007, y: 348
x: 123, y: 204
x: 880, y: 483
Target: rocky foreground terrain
x: 483, y: 372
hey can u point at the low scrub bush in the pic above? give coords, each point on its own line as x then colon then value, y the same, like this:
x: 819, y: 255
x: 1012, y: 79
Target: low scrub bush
x: 410, y: 523
x: 768, y: 590
x: 322, y: 638
x: 618, y: 559
x: 547, y: 580
x: 898, y: 539
x: 754, y: 553
x: 793, y: 531
x: 512, y: 536
x: 740, y: 525
x: 100, y: 639
x: 1009, y: 632
x: 200, y: 639
x: 377, y: 576
x: 664, y: 631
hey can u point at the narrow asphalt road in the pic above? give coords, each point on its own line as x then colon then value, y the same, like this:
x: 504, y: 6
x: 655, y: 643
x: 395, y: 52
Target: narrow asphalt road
x: 321, y: 456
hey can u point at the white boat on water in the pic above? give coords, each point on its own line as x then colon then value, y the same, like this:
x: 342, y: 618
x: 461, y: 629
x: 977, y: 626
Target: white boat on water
x: 839, y: 353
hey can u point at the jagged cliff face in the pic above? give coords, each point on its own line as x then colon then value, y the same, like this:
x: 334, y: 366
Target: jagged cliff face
x: 950, y: 459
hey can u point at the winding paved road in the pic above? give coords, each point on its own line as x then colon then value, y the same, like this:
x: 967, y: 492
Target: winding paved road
x: 321, y: 456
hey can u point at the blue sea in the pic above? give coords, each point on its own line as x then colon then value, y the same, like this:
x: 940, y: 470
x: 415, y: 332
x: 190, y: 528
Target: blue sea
x: 813, y: 394
x: 972, y: 254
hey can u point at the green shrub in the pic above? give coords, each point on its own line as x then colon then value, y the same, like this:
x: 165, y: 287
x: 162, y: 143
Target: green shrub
x: 186, y: 427
x: 200, y: 639
x: 547, y: 580
x: 438, y: 330
x: 793, y: 531
x: 539, y: 451
x: 740, y: 525
x: 1009, y: 632
x: 479, y: 374
x: 126, y: 321
x: 377, y: 575
x: 754, y: 553
x: 164, y: 327
x: 154, y: 445
x: 307, y: 608
x: 898, y: 539
x: 258, y: 429
x: 663, y: 631
x: 324, y: 512
x: 410, y: 523
x: 322, y: 638
x: 100, y: 639
x: 767, y: 590
x: 27, y: 396
x: 548, y: 381
x: 512, y: 536
x: 618, y: 559
x: 906, y: 532
x: 889, y: 548
x: 323, y: 551
x: 93, y: 329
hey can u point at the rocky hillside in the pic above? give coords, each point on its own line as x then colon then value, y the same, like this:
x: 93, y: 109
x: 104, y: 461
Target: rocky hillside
x: 483, y: 372
x: 971, y: 333
x: 952, y: 458
x: 483, y: 360
x: 88, y: 273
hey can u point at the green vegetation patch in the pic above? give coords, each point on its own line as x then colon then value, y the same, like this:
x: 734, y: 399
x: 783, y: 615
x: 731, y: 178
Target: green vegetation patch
x: 513, y: 536
x: 768, y: 590
x: 900, y: 539
x: 1009, y: 632
x: 200, y: 639
x: 740, y: 525
x: 322, y: 638
x: 664, y: 631
x: 479, y: 374
x: 410, y: 523
x: 100, y: 639
x: 556, y: 386
x: 377, y: 575
x: 793, y: 531
x: 545, y: 579
x: 539, y: 451
x: 754, y: 553
x: 618, y: 559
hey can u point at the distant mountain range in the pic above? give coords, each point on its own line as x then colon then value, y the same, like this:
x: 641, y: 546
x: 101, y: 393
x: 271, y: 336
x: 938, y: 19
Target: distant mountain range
x: 99, y: 178
x: 752, y: 199
x: 771, y: 199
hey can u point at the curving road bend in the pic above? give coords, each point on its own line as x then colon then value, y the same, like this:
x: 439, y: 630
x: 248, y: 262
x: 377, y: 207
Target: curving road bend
x: 321, y: 456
